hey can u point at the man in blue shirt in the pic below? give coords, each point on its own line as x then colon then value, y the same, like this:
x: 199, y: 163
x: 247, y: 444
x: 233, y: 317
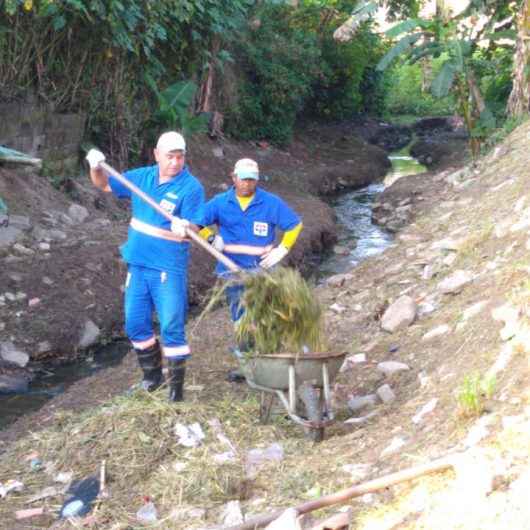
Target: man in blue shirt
x: 247, y: 218
x: 157, y: 254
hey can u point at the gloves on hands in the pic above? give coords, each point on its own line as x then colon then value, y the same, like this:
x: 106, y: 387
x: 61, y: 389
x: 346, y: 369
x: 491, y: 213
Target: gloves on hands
x: 274, y: 257
x: 218, y: 243
x: 179, y: 226
x: 94, y: 158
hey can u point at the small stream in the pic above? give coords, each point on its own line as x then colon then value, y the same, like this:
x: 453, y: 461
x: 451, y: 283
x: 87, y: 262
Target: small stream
x: 49, y: 384
x: 358, y: 239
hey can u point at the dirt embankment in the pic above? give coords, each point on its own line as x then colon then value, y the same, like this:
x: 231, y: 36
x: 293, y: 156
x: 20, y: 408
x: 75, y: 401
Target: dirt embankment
x: 61, y: 273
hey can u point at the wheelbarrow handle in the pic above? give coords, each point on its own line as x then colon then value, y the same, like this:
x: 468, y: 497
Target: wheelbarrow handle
x: 189, y: 233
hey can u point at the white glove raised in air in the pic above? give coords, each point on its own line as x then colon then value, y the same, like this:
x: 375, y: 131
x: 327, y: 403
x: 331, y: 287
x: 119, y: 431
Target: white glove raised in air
x: 179, y: 226
x: 218, y: 243
x: 94, y: 158
x: 274, y: 257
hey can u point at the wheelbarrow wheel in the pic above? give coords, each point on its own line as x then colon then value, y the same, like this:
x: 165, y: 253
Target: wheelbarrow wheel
x: 310, y: 398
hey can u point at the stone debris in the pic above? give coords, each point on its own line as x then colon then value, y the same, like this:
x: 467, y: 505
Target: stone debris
x: 426, y: 409
x: 89, y: 335
x: 356, y: 403
x: 386, y: 394
x: 436, y: 332
x: 337, y: 308
x: 510, y: 316
x: 391, y: 367
x: 455, y: 282
x: 395, y: 445
x: 10, y: 353
x: 399, y: 315
x: 473, y: 310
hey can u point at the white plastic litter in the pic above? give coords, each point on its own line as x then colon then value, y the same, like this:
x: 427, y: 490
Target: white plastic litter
x: 189, y: 435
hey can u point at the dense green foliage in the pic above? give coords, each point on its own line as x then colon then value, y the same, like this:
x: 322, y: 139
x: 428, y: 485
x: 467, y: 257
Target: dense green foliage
x: 407, y: 91
x: 92, y: 56
x: 278, y: 64
x: 458, y: 42
x: 291, y: 65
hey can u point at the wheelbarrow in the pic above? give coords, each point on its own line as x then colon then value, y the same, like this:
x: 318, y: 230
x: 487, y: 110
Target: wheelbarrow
x: 301, y: 381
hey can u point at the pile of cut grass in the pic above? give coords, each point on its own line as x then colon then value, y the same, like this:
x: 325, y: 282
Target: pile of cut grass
x: 281, y: 314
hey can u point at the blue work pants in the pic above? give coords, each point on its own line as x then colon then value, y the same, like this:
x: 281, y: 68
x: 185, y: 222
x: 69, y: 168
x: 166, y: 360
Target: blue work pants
x: 147, y: 290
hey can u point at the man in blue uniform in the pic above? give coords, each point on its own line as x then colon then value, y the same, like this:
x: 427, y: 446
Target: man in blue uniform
x: 247, y: 218
x: 157, y: 254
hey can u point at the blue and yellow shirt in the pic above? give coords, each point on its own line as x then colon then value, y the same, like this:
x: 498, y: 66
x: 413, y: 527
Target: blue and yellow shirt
x: 254, y: 226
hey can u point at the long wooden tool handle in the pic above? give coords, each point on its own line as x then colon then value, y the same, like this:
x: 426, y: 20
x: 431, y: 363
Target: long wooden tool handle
x: 355, y: 491
x: 190, y: 233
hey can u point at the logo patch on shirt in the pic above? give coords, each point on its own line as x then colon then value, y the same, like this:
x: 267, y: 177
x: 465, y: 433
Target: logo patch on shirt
x: 168, y: 206
x: 261, y: 229
x: 172, y: 195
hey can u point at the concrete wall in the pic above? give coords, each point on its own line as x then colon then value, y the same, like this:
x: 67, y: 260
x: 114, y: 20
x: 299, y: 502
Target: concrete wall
x: 37, y: 131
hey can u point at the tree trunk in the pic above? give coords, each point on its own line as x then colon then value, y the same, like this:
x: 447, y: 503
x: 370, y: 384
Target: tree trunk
x: 519, y: 102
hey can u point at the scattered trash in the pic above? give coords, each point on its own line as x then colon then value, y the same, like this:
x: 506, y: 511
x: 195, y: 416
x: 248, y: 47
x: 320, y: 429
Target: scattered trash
x: 257, y: 457
x: 179, y: 466
x: 82, y: 495
x: 147, y: 513
x: 65, y: 477
x: 189, y: 436
x: 224, y: 458
x: 10, y: 485
x: 35, y: 464
x: 215, y: 424
x: 30, y: 512
x: 232, y: 514
x: 50, y: 491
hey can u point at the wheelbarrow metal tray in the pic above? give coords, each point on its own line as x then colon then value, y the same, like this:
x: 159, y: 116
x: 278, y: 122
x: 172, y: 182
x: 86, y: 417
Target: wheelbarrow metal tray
x: 272, y: 371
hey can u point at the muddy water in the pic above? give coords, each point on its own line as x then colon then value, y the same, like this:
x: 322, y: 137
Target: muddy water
x: 49, y: 384
x: 358, y: 237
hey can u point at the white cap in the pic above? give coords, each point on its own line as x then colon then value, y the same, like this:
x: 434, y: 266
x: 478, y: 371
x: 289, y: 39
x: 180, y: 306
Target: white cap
x: 246, y: 169
x: 171, y: 141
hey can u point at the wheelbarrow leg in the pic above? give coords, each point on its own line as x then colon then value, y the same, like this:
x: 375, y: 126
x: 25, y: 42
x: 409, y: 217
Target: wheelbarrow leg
x: 312, y: 401
x: 265, y: 407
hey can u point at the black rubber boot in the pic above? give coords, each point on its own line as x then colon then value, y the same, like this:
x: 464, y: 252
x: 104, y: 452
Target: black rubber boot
x: 176, y: 369
x: 150, y: 361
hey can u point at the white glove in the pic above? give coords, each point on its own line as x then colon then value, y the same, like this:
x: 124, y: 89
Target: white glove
x: 274, y: 257
x: 179, y: 226
x: 94, y: 158
x: 218, y: 243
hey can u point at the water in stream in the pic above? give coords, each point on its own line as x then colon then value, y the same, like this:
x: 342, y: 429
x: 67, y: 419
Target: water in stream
x: 357, y: 235
x: 52, y: 383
